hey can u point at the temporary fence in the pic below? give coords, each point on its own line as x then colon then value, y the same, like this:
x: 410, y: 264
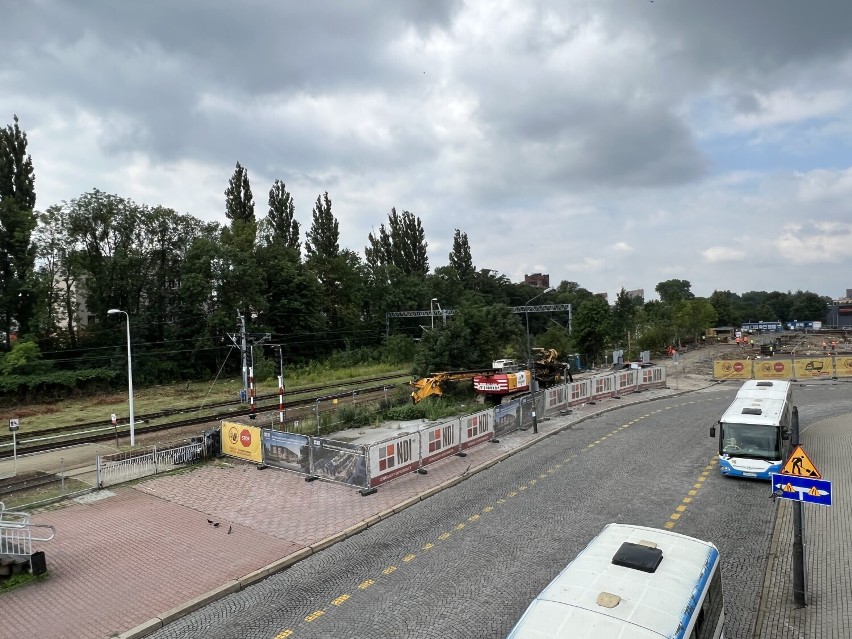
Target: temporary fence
x: 807, y: 367
x: 122, y: 467
x: 370, y: 465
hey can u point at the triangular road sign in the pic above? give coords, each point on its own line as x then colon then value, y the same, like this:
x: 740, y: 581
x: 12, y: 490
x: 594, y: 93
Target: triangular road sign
x: 799, y: 464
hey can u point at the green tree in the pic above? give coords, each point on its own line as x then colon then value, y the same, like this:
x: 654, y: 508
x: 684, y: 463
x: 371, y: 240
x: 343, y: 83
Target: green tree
x: 807, y: 306
x: 17, y: 222
x: 57, y: 276
x: 723, y: 304
x: 623, y: 318
x: 239, y: 202
x: 461, y: 259
x: 401, y: 244
x: 591, y: 328
x: 109, y: 231
x: 323, y: 239
x: 673, y: 291
x: 280, y: 225
x: 473, y: 338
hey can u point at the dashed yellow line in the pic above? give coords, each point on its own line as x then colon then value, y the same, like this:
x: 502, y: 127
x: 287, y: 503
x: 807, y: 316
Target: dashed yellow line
x: 341, y: 599
x: 409, y: 557
x: 315, y: 615
x: 444, y: 536
x: 366, y: 584
x: 284, y: 634
x: 389, y: 570
x: 679, y: 510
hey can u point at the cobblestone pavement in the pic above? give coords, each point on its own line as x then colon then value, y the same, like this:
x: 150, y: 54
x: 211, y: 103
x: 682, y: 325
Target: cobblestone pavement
x: 144, y: 552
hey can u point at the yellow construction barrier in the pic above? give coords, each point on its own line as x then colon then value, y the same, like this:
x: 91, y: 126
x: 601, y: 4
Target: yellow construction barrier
x: 773, y: 369
x: 239, y: 440
x: 732, y: 369
x: 843, y: 366
x: 813, y: 367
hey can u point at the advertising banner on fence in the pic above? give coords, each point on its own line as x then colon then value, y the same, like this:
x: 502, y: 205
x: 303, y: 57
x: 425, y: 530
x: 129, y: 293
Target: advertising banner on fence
x: 812, y: 367
x: 477, y: 428
x: 393, y: 457
x: 339, y: 461
x: 507, y: 417
x: 287, y: 450
x: 773, y: 369
x: 438, y: 441
x: 239, y: 440
x: 843, y: 366
x: 732, y: 369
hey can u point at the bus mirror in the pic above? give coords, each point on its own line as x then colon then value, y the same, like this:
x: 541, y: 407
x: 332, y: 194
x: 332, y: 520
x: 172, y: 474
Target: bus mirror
x: 712, y: 431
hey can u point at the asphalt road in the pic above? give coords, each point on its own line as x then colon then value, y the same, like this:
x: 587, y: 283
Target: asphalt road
x: 467, y: 562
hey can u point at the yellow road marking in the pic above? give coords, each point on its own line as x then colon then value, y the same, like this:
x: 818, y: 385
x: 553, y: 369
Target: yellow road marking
x: 693, y: 493
x: 473, y: 518
x: 696, y: 485
x: 409, y: 557
x: 488, y: 509
x: 284, y: 634
x: 389, y: 570
x: 687, y: 500
x: 444, y: 536
x: 512, y: 494
x: 428, y: 547
x: 339, y: 600
x: 315, y: 615
x: 674, y: 516
x: 669, y: 525
x: 459, y: 526
x: 680, y: 509
x: 366, y: 584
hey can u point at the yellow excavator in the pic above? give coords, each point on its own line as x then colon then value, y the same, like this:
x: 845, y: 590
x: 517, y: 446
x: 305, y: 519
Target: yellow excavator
x: 431, y: 385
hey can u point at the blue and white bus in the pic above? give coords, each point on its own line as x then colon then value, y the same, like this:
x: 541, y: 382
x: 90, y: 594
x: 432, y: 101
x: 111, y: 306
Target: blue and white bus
x: 632, y: 582
x: 755, y: 429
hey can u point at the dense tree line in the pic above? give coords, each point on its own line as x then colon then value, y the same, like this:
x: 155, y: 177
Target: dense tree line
x: 184, y: 283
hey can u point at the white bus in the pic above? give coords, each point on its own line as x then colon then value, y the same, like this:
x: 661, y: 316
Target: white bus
x: 759, y: 388
x: 632, y: 582
x: 755, y: 429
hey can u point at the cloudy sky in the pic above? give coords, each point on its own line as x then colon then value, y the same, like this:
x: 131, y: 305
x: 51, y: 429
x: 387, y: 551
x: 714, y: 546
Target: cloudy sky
x: 614, y: 143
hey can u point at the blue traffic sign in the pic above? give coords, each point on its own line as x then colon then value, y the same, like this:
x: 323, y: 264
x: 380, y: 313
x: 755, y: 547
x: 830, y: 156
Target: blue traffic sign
x: 812, y: 491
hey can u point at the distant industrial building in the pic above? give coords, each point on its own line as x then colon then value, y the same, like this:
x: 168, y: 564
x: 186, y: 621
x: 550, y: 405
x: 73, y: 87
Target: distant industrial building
x: 538, y: 280
x: 840, y: 312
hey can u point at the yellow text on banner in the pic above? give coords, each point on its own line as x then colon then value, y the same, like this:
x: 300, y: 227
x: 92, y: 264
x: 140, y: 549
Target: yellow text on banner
x: 732, y: 369
x: 239, y: 440
x: 813, y: 367
x: 773, y: 369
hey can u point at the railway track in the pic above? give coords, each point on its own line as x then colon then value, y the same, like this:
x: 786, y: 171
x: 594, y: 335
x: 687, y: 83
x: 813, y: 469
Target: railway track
x: 51, y: 438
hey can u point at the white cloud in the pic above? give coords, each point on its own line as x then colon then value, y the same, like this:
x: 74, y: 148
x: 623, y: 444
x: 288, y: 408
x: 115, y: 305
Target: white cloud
x: 716, y: 254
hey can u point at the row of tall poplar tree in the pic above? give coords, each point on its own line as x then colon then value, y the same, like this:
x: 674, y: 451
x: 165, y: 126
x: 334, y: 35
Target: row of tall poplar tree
x: 184, y: 282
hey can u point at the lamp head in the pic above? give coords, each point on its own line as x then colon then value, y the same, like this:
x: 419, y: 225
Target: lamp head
x: 113, y: 311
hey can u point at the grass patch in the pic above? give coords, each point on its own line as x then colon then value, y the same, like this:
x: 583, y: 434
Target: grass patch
x: 19, y: 581
x: 22, y: 498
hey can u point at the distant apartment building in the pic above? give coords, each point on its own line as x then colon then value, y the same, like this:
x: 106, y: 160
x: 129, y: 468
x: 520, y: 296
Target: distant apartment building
x: 538, y: 280
x: 603, y: 295
x: 637, y: 294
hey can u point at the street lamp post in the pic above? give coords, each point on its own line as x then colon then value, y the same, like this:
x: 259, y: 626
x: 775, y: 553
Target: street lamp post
x: 530, y: 357
x: 113, y: 311
x: 432, y: 310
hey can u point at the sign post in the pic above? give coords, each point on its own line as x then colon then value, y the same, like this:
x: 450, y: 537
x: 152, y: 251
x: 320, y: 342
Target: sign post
x: 115, y: 428
x: 800, y: 481
x: 14, y: 424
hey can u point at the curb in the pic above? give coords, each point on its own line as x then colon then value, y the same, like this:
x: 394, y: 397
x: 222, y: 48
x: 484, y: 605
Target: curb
x: 152, y: 625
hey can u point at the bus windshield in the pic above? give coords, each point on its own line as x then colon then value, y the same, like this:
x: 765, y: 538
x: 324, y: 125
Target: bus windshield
x: 749, y: 440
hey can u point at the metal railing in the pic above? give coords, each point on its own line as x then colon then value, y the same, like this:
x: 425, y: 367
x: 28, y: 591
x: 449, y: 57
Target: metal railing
x: 17, y: 533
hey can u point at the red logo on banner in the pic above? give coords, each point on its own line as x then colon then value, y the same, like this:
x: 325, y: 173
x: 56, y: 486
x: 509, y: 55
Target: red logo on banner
x: 779, y: 367
x: 738, y: 366
x: 245, y: 437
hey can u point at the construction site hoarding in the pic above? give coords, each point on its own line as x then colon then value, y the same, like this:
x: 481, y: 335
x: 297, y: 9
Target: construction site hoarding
x: 812, y: 367
x: 241, y: 441
x: 439, y: 441
x: 290, y: 451
x: 843, y: 366
x: 732, y: 369
x: 338, y: 461
x: 476, y: 428
x: 393, y: 457
x: 773, y: 369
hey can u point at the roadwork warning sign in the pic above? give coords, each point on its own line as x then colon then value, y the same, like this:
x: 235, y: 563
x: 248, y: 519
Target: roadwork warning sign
x: 799, y: 464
